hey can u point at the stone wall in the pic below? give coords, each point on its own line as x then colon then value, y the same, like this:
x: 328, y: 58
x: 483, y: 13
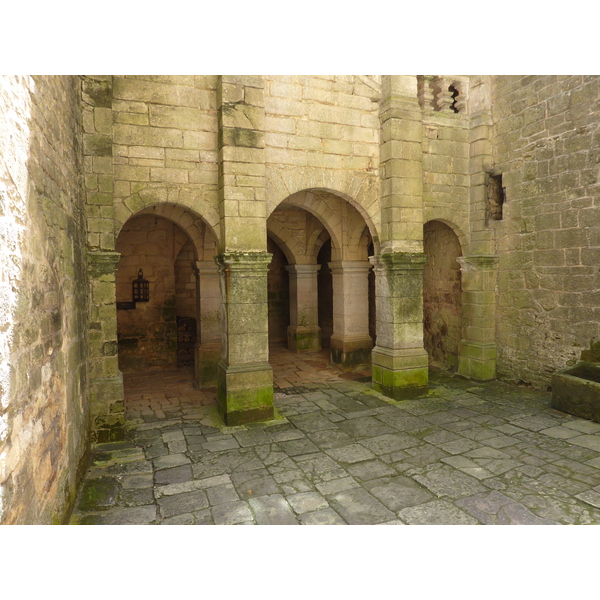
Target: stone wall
x: 323, y: 132
x: 446, y: 153
x: 165, y: 143
x: 44, y: 409
x: 546, y: 147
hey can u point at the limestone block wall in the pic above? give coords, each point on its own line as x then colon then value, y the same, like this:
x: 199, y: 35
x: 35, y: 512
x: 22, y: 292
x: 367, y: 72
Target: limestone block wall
x: 44, y: 413
x: 446, y: 152
x: 547, y: 148
x: 323, y: 132
x: 165, y: 143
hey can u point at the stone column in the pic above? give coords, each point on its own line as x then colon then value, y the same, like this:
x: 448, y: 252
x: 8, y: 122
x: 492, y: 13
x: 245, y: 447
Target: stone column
x: 399, y: 360
x: 350, y: 343
x: 208, y: 317
x: 245, y: 377
x: 107, y: 406
x: 477, y: 349
x: 304, y: 333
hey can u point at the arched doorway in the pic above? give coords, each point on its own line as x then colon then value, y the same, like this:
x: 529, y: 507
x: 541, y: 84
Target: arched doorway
x: 442, y: 295
x: 147, y: 331
x: 179, y: 324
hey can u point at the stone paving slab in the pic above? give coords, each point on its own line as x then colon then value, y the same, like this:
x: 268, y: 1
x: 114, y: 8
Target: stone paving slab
x: 491, y: 453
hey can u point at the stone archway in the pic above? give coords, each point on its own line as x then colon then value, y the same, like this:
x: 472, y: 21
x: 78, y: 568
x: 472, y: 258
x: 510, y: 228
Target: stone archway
x: 442, y: 294
x: 175, y: 249
x: 307, y: 222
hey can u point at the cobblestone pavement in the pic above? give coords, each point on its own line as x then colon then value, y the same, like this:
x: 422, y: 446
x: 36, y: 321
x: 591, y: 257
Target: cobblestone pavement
x: 340, y: 453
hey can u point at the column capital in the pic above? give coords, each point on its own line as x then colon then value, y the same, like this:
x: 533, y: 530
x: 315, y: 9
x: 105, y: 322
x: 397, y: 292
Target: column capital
x: 399, y: 261
x: 478, y: 262
x: 303, y: 270
x: 348, y: 267
x: 204, y: 267
x: 244, y: 261
x: 103, y: 263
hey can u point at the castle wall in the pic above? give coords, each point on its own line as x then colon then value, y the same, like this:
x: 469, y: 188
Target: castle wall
x: 546, y: 141
x: 44, y: 408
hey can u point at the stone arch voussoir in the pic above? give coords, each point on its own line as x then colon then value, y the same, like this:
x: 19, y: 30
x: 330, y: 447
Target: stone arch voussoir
x: 361, y: 191
x: 193, y: 224
x: 449, y: 217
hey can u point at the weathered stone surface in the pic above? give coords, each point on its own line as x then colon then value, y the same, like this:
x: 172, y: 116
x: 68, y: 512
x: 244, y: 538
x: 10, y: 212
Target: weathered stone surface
x: 171, y: 460
x: 326, y: 516
x: 359, y: 507
x: 306, y: 502
x: 232, y: 513
x: 438, y: 512
x: 496, y: 509
x: 446, y: 481
x: 272, y: 510
x: 174, y: 475
x: 400, y: 492
x: 182, y: 503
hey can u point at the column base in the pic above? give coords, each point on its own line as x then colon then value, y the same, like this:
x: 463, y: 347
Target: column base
x: 107, y: 405
x: 400, y: 374
x: 303, y: 339
x: 351, y: 353
x: 245, y: 393
x: 207, y: 357
x: 477, y: 360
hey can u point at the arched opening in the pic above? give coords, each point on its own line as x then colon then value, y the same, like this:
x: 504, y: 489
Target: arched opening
x: 331, y: 293
x: 179, y: 325
x: 442, y: 295
x: 147, y: 331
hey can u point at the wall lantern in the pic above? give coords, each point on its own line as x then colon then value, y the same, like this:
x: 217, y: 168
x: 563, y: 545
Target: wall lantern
x: 141, y: 288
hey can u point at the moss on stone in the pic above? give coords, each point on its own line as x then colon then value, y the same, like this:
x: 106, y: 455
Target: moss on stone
x: 98, y: 494
x: 350, y: 360
x: 401, y: 384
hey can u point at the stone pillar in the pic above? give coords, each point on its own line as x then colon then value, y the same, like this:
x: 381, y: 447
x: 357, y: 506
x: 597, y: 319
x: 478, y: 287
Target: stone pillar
x: 477, y: 349
x: 399, y: 360
x: 208, y: 318
x: 107, y: 406
x: 482, y: 235
x: 350, y: 343
x: 304, y: 333
x: 245, y: 377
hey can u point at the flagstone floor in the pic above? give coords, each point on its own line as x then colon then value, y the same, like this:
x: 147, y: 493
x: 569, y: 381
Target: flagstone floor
x: 341, y: 453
